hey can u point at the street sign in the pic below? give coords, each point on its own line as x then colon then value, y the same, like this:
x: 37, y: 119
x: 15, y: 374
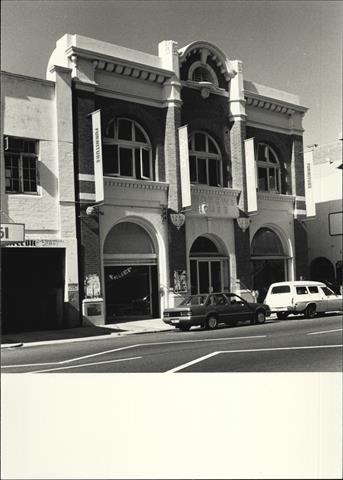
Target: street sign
x: 12, y: 232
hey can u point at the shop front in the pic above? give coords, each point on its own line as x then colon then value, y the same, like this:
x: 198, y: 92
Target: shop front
x: 269, y: 261
x: 130, y: 274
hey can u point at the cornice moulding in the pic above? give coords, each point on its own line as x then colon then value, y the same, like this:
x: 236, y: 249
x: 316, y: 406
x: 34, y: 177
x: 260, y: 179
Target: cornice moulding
x: 266, y: 103
x: 278, y: 197
x: 128, y: 183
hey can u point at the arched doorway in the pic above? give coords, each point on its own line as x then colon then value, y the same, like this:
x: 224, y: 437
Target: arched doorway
x: 130, y: 271
x: 322, y: 270
x: 269, y: 261
x: 209, y: 267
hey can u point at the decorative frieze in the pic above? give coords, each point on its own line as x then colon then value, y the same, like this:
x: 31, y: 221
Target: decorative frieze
x: 137, y: 184
x: 136, y: 72
x: 275, y: 197
x: 269, y: 104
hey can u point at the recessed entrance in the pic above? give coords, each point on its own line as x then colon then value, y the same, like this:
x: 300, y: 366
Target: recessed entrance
x: 131, y: 275
x: 208, y: 267
x: 269, y: 262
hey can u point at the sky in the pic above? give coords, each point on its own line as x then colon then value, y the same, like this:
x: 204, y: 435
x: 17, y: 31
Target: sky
x: 294, y: 46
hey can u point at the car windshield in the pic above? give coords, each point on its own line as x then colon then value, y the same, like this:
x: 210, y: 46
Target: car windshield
x: 194, y: 300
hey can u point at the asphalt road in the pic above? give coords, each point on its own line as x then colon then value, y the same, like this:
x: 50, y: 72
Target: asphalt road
x: 292, y: 345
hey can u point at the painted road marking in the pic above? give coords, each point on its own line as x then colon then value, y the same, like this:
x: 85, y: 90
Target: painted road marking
x: 201, y: 359
x: 63, y: 362
x: 325, y: 331
x: 85, y: 365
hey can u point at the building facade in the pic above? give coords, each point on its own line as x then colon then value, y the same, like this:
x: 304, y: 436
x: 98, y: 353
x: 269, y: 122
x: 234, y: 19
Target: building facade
x: 40, y: 272
x: 188, y: 178
x: 323, y: 172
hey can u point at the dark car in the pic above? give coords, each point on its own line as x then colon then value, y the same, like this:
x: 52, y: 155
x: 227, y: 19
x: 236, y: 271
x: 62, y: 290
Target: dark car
x: 208, y: 310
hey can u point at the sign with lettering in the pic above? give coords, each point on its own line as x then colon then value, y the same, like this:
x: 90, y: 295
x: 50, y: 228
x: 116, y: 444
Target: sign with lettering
x: 12, y: 232
x: 97, y: 154
x: 184, y: 167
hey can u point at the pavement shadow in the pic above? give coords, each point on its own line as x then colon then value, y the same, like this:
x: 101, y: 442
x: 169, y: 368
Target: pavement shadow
x: 63, y: 334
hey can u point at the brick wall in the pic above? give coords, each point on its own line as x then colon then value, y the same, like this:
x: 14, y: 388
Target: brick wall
x: 243, y: 264
x: 152, y: 120
x: 282, y: 144
x: 87, y: 226
x: 209, y: 115
x: 301, y: 250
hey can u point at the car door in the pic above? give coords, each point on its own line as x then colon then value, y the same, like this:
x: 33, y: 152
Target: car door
x: 238, y: 309
x: 219, y: 304
x: 333, y: 301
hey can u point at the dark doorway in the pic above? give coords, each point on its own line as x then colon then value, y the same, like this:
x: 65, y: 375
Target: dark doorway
x: 322, y: 270
x: 131, y: 292
x: 32, y: 281
x: 266, y: 272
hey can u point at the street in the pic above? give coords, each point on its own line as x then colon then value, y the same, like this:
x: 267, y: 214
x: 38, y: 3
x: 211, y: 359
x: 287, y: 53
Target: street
x: 292, y: 345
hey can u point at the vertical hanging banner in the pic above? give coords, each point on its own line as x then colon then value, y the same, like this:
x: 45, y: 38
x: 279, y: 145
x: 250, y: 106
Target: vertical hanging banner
x: 308, y: 172
x: 184, y: 168
x: 250, y: 168
x: 97, y: 155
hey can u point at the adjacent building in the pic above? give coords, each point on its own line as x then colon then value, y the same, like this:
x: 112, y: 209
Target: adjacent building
x: 174, y: 173
x: 323, y: 172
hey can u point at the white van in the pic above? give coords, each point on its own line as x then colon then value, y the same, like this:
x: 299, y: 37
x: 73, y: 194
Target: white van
x: 309, y: 298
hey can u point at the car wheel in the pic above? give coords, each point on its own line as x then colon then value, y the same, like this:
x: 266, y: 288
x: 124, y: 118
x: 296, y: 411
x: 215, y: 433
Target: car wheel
x: 282, y: 315
x: 260, y: 317
x: 211, y: 322
x: 310, y: 311
x: 184, y: 327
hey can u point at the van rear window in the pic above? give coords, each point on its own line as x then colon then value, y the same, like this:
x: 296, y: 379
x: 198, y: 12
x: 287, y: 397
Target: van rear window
x: 301, y: 290
x: 281, y: 289
x: 313, y: 289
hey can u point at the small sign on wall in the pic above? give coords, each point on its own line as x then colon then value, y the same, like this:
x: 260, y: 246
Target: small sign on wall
x: 12, y: 232
x: 180, y: 281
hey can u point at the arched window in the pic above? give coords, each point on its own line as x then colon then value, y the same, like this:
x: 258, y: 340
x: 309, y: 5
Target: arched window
x: 204, y: 160
x: 266, y: 243
x: 268, y: 169
x: 127, y: 150
x: 201, y: 72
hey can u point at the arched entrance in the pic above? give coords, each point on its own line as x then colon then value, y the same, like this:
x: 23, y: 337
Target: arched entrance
x: 269, y: 261
x: 322, y: 270
x: 209, y: 267
x: 130, y: 271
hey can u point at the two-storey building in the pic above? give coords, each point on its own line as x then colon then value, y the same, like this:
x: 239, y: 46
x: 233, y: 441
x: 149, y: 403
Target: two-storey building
x: 188, y: 178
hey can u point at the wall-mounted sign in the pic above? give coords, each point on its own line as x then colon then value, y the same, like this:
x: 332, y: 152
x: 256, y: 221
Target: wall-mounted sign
x: 180, y: 281
x: 12, y: 232
x: 97, y: 153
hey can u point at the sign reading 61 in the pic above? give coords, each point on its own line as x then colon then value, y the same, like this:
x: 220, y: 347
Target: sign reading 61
x: 12, y: 232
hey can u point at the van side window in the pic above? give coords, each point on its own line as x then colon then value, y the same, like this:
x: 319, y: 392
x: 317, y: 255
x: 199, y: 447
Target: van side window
x: 313, y: 289
x: 327, y: 291
x: 281, y: 289
x: 301, y: 290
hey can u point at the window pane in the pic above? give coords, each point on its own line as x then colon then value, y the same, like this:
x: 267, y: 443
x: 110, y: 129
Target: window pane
x: 199, y: 142
x: 271, y: 157
x: 213, y: 171
x: 125, y: 130
x: 202, y: 174
x: 192, y: 168
x: 211, y: 146
x: 301, y: 290
x: 313, y: 289
x: 203, y: 277
x: 110, y: 159
x: 262, y: 179
x: 215, y: 276
x: 281, y: 289
x: 139, y: 136
x: 194, y: 277
x: 145, y: 164
x: 125, y: 161
x: 261, y: 153
x: 272, y: 179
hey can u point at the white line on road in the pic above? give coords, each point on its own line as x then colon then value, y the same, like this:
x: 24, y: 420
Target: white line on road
x: 198, y: 360
x: 62, y: 362
x: 85, y: 365
x: 326, y: 331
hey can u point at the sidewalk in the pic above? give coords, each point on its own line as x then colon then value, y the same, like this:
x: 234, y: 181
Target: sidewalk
x: 46, y: 337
